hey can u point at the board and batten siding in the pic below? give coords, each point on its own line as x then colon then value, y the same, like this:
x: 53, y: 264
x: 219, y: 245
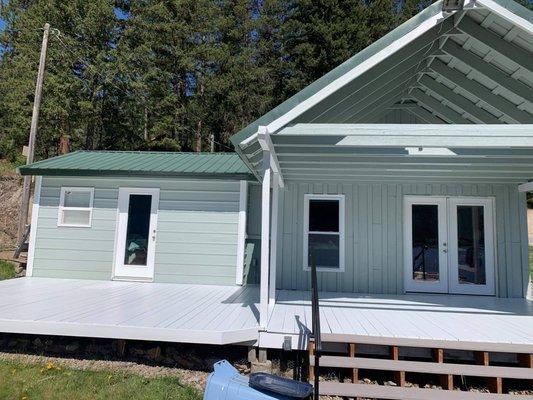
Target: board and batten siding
x: 374, y: 235
x: 196, y: 232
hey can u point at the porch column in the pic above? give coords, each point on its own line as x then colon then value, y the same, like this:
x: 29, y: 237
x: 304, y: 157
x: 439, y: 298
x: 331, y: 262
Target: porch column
x: 265, y: 238
x: 273, y: 241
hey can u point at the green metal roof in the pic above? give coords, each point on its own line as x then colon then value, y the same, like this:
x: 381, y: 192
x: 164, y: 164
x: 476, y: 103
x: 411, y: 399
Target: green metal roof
x: 142, y: 163
x: 489, y: 96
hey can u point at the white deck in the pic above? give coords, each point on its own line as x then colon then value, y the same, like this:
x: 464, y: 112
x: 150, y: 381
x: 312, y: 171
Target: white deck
x: 129, y: 310
x: 460, y: 322
x: 208, y: 314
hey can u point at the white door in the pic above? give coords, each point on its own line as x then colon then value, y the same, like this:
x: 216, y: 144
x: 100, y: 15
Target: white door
x: 471, y: 240
x: 137, y: 226
x: 449, y: 245
x: 425, y: 253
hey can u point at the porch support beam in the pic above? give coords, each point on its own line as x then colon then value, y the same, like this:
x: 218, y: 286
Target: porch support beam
x: 383, y: 97
x: 263, y: 137
x: 405, y: 69
x: 265, y: 241
x: 273, y: 240
x: 526, y: 187
x: 425, y: 115
x: 481, y: 92
x: 247, y: 162
x: 496, y: 43
x: 488, y: 70
x: 461, y: 102
x: 439, y: 108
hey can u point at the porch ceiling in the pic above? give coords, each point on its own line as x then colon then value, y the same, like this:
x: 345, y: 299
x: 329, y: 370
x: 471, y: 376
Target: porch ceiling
x: 472, y: 68
x: 371, y: 152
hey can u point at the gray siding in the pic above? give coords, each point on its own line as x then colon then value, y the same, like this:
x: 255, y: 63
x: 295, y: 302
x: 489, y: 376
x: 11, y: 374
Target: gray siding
x: 374, y: 235
x: 196, y: 241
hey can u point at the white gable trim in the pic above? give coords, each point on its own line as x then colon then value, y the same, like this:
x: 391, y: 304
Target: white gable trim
x: 508, y: 15
x: 369, y: 63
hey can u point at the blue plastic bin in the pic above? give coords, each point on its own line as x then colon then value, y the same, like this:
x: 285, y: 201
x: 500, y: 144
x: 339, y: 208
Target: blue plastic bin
x: 227, y: 384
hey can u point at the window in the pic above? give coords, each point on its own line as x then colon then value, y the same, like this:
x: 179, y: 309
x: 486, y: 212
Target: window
x: 324, y: 232
x: 75, y: 207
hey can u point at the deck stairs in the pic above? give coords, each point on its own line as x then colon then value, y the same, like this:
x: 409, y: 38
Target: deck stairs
x: 448, y: 371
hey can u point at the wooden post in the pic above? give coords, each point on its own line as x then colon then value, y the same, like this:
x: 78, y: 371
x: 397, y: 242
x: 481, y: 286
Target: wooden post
x: 526, y: 361
x: 199, y: 137
x: 121, y: 347
x: 33, y: 134
x: 399, y: 376
x: 494, y: 384
x: 355, y: 371
x: 446, y: 380
x: 265, y: 242
x: 311, y: 349
x: 273, y: 240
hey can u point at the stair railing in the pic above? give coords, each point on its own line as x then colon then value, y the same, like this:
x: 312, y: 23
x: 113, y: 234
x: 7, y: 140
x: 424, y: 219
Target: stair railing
x: 315, y: 320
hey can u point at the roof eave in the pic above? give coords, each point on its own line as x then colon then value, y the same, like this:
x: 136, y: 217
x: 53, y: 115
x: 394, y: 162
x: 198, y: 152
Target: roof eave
x: 128, y: 174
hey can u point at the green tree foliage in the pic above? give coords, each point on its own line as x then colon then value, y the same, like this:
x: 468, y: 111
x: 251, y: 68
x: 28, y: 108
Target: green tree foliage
x: 167, y: 74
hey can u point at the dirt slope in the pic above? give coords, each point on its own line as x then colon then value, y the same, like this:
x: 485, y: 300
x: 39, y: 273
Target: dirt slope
x: 10, y: 195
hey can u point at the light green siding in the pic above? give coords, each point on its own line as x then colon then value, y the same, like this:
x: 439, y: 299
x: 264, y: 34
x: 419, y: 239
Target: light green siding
x: 374, y: 235
x: 196, y: 240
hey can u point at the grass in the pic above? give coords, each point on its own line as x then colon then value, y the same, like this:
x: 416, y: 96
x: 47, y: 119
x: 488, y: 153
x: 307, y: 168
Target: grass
x: 48, y: 382
x: 7, y: 270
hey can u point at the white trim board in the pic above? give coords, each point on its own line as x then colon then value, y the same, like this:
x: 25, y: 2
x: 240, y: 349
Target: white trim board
x: 241, y: 232
x: 33, y: 226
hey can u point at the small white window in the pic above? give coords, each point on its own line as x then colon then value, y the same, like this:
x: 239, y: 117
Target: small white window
x: 75, y: 206
x: 324, y: 232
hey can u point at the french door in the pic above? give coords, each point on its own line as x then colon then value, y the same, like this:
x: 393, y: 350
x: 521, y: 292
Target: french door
x: 449, y: 245
x: 137, y: 224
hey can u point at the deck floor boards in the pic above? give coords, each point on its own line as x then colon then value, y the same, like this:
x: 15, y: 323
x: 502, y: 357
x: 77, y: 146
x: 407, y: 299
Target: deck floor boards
x: 130, y: 310
x: 445, y: 318
x: 220, y: 314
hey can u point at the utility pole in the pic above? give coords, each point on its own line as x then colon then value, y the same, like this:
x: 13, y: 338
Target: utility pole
x: 33, y: 133
x: 212, y: 142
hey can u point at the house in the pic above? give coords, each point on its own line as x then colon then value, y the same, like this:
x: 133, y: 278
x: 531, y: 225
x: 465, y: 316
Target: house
x: 404, y: 172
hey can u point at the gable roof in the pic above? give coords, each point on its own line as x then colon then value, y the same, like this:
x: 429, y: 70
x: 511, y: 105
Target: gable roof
x: 479, y: 72
x: 142, y: 163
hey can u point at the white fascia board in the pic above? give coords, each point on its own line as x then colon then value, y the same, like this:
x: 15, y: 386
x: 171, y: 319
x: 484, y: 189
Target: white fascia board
x: 263, y: 137
x: 507, y: 15
x: 241, y: 231
x: 33, y: 225
x: 280, y: 122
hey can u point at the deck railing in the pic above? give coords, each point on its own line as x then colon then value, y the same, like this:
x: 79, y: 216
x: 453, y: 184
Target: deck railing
x: 315, y: 320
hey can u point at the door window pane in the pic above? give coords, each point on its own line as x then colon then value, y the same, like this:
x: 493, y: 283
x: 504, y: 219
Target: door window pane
x: 471, y: 245
x: 425, y: 242
x: 323, y: 215
x: 138, y: 230
x: 325, y: 249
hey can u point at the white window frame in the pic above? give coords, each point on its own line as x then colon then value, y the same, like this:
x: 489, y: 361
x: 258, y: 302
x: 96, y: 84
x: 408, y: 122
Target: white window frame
x: 341, y: 199
x: 62, y: 207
